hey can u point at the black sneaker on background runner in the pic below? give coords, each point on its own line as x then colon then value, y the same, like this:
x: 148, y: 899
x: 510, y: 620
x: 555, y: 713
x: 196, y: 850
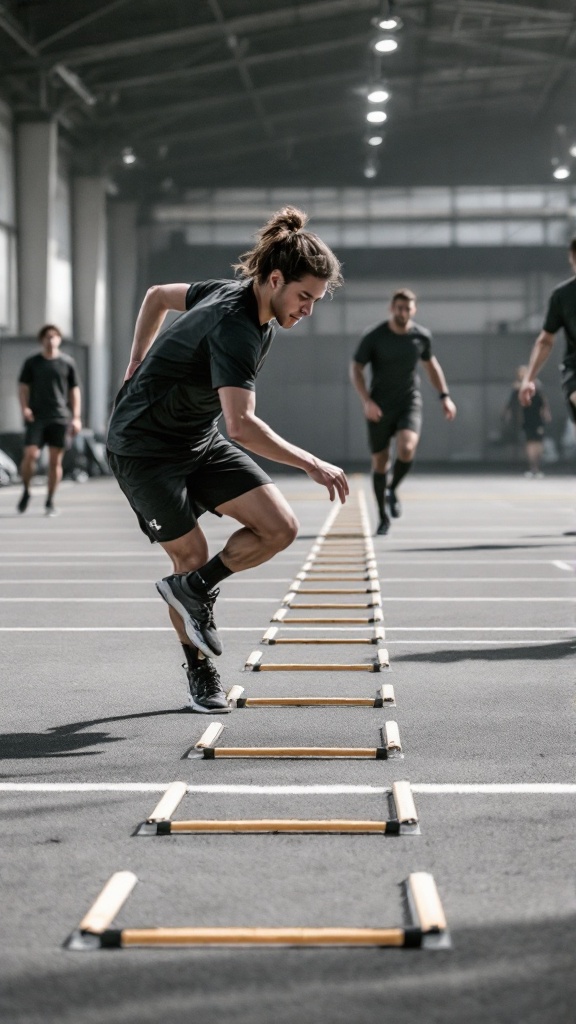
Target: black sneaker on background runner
x: 195, y: 607
x: 394, y: 504
x: 207, y: 695
x: 50, y: 510
x: 383, y: 526
x: 23, y: 503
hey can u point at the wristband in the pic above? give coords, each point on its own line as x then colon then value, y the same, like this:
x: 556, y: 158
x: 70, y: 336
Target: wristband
x: 444, y: 394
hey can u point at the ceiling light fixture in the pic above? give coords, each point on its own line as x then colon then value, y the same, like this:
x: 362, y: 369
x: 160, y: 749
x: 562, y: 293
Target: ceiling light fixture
x: 561, y: 172
x: 385, y: 44
x: 128, y: 156
x: 371, y: 167
x: 388, y: 20
x: 377, y: 94
x: 375, y: 140
x: 376, y: 116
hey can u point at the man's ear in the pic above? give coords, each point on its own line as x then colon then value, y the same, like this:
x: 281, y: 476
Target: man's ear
x: 276, y: 279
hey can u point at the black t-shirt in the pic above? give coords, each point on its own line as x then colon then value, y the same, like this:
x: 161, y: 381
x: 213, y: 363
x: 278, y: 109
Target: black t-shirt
x: 562, y: 313
x: 49, y: 381
x: 393, y: 360
x: 171, y: 401
x: 529, y: 417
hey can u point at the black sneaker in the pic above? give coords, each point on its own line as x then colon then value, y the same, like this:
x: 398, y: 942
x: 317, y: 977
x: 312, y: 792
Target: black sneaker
x: 394, y: 504
x: 195, y: 608
x: 383, y: 526
x: 49, y: 509
x: 23, y: 503
x: 207, y: 695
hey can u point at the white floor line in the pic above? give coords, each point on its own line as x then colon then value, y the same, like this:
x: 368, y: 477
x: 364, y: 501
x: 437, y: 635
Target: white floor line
x: 267, y: 600
x: 478, y: 789
x: 566, y: 566
x: 146, y: 580
x: 301, y: 628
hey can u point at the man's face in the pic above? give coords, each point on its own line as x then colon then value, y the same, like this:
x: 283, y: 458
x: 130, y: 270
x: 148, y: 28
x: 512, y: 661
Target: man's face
x: 293, y: 300
x: 402, y: 311
x: 51, y: 340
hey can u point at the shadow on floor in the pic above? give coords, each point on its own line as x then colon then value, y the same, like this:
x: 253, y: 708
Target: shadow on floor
x: 545, y: 652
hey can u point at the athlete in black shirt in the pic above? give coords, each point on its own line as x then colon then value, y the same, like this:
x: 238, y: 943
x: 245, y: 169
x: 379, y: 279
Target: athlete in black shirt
x: 165, y: 448
x: 561, y: 313
x: 531, y: 419
x: 393, y: 405
x: 50, y: 399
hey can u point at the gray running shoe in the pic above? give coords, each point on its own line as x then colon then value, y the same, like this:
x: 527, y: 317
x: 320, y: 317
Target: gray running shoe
x: 207, y: 695
x: 196, y: 611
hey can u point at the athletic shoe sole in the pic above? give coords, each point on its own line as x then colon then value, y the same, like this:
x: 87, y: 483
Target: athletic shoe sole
x: 193, y: 631
x: 200, y: 709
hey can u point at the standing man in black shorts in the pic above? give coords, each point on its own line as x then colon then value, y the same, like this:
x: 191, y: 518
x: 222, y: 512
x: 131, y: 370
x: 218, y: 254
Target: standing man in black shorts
x: 561, y: 313
x: 50, y: 400
x: 393, y: 405
x: 164, y: 445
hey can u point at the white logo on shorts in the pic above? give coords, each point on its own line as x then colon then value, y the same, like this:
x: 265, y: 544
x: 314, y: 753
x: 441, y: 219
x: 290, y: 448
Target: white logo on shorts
x: 154, y: 524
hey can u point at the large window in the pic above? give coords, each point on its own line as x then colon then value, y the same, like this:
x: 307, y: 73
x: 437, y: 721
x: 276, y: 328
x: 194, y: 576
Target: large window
x: 384, y: 217
x: 8, y: 303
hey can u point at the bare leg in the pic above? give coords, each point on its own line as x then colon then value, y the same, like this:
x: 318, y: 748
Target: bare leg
x: 534, y: 451
x: 268, y: 526
x: 187, y: 553
x: 28, y: 464
x: 55, y: 456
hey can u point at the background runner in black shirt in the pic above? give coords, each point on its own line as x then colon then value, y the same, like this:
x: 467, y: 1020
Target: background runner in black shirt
x: 561, y: 313
x: 49, y: 395
x: 530, y: 419
x: 167, y: 453
x: 393, y: 404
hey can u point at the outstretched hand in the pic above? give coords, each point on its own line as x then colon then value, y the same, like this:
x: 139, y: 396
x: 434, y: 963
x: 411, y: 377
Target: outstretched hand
x: 526, y: 392
x: 331, y: 477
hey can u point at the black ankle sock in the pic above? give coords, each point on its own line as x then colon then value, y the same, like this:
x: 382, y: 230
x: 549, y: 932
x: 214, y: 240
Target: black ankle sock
x: 379, y: 483
x: 192, y: 655
x: 209, y: 575
x: 399, y: 472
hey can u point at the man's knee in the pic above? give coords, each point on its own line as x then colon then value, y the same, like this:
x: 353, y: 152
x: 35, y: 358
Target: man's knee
x: 282, y: 531
x: 407, y: 450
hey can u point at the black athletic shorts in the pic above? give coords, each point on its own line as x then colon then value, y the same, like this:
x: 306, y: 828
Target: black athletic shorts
x: 169, y: 494
x: 569, y: 386
x: 533, y: 433
x: 42, y: 432
x: 405, y: 417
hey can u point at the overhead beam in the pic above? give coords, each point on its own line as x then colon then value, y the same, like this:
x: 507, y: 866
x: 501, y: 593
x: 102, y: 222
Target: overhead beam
x: 296, y: 16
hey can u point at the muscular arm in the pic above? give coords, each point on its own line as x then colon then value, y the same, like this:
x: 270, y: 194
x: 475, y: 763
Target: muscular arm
x: 372, y: 411
x: 437, y: 379
x: 24, y: 399
x: 157, y: 301
x: 246, y: 429
x: 542, y: 348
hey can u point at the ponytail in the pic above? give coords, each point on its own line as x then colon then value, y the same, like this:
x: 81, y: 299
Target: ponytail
x: 283, y: 245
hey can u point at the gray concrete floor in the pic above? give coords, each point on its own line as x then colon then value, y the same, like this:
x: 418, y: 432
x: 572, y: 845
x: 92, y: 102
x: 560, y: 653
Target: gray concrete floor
x: 479, y: 596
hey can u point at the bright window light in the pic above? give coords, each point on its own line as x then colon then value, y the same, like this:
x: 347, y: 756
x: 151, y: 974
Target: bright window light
x: 378, y: 95
x: 376, y: 116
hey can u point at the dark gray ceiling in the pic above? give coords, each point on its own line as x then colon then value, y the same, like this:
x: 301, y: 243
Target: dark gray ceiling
x: 265, y: 92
